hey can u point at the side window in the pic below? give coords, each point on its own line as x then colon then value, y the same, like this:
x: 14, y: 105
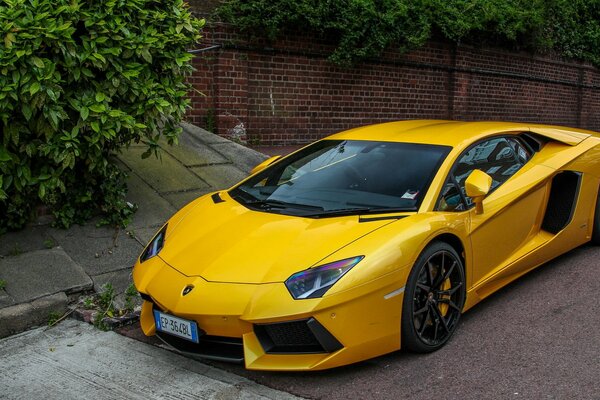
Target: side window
x: 521, y: 150
x: 451, y: 198
x: 500, y: 158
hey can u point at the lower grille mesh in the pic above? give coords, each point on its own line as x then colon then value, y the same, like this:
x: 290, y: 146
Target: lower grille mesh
x: 305, y: 336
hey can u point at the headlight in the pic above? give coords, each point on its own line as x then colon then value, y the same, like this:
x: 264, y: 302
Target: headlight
x: 155, y: 245
x: 314, y: 282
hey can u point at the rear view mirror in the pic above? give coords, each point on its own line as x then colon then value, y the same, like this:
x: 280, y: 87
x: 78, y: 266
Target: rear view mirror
x: 477, y: 186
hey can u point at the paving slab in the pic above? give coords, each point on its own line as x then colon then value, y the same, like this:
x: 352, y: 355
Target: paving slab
x: 220, y: 176
x: 245, y: 158
x: 98, y: 255
x: 73, y: 360
x: 40, y: 273
x: 193, y: 152
x: 153, y: 210
x: 5, y: 299
x: 120, y: 280
x: 180, y: 199
x: 29, y: 239
x: 202, y: 135
x: 165, y: 174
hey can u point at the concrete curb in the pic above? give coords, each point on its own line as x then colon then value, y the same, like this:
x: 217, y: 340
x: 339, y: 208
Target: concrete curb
x: 17, y: 318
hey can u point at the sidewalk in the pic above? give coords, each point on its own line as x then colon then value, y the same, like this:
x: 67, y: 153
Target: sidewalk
x: 44, y: 269
x: 77, y: 361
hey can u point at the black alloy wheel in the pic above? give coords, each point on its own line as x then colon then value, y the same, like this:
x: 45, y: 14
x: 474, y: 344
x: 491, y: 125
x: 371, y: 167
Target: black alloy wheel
x: 433, y: 299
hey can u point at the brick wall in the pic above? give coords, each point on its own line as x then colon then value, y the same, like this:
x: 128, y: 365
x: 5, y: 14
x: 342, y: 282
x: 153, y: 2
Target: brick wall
x: 288, y: 93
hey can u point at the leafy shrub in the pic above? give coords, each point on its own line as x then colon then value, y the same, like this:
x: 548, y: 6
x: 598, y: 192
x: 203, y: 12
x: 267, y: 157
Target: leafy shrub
x: 362, y: 29
x: 78, y: 81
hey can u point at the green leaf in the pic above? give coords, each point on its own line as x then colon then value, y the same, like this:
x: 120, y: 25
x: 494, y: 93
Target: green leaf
x: 84, y: 112
x: 98, y: 108
x: 146, y: 55
x: 9, y: 39
x: 95, y: 126
x: 37, y: 62
x: 27, y: 112
x: 100, y: 97
x: 4, y: 155
x: 99, y: 56
x: 34, y: 88
x: 146, y: 154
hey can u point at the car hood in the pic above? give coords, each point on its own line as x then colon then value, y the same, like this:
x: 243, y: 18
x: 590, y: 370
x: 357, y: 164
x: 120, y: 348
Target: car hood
x: 226, y: 242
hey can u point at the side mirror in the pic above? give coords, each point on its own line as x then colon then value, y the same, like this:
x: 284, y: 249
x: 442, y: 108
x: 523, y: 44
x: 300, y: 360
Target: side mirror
x: 264, y: 164
x: 477, y: 186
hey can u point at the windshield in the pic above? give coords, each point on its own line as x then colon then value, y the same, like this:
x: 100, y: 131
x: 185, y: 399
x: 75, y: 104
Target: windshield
x: 334, y: 177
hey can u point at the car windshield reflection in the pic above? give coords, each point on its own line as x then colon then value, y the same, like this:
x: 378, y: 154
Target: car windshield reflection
x: 334, y: 177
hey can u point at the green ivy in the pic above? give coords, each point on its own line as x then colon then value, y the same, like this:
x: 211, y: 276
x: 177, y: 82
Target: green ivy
x: 363, y: 29
x: 79, y: 80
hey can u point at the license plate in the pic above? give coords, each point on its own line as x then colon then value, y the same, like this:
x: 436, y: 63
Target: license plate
x: 176, y: 326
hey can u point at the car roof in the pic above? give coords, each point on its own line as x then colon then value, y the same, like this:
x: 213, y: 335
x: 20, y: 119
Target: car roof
x: 456, y: 133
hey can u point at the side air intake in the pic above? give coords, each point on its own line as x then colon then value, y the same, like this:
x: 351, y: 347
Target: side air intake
x: 562, y: 201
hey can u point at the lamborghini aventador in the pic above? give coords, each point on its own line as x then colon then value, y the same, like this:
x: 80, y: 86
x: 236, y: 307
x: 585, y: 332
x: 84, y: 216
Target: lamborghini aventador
x: 367, y: 241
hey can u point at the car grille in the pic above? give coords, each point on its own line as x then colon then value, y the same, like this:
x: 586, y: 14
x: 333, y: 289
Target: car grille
x: 304, y: 336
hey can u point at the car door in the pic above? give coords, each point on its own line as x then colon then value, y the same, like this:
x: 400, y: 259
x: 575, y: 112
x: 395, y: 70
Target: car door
x: 511, y: 212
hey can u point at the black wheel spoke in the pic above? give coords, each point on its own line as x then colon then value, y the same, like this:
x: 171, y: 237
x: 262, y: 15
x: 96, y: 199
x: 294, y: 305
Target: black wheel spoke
x: 435, y: 327
x: 423, y: 287
x: 441, y: 318
x: 421, y: 310
x: 429, y: 273
x: 424, y: 322
x: 450, y: 291
x: 445, y: 276
x: 450, y: 303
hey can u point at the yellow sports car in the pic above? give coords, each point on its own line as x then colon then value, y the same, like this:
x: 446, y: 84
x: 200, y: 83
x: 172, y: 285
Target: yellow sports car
x: 367, y: 241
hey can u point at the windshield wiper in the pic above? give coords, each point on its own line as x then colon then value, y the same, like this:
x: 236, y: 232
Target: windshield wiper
x: 358, y: 210
x: 268, y: 204
x: 248, y: 199
x: 244, y: 196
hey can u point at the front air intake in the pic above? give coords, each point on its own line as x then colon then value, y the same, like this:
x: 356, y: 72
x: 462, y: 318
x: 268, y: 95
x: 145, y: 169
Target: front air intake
x: 303, y: 337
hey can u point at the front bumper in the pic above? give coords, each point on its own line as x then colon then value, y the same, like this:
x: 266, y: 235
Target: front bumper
x: 265, y: 327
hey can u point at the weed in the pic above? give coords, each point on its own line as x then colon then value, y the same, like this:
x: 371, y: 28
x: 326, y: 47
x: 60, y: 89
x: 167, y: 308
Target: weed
x: 130, y: 294
x: 49, y: 243
x: 88, y: 303
x: 2, y: 284
x: 105, y: 299
x: 53, y: 318
x: 16, y: 250
x: 104, y: 302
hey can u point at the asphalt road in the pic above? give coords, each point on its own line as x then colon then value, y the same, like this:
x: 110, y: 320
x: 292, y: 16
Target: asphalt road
x: 539, y: 338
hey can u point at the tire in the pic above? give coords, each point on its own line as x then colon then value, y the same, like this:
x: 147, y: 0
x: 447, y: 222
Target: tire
x: 433, y: 300
x: 596, y: 229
